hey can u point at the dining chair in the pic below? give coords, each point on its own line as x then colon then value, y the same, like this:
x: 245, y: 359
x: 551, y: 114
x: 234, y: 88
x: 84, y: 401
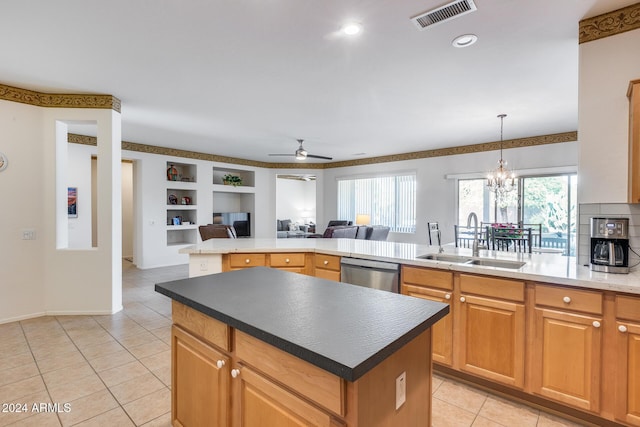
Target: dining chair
x: 433, y: 229
x: 536, y: 233
x: 511, y: 239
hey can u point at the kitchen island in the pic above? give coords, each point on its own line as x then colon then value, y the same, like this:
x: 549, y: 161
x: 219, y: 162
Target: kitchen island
x: 266, y: 347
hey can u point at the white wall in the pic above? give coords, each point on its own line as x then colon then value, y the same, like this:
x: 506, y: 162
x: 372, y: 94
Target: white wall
x: 37, y: 277
x: 22, y: 190
x: 80, y: 228
x: 436, y: 195
x: 606, y: 67
x: 127, y: 209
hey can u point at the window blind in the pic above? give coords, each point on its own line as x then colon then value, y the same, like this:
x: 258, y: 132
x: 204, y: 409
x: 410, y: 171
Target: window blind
x: 390, y: 200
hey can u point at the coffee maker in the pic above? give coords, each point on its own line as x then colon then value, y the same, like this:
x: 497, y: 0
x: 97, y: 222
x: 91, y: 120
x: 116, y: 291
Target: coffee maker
x: 610, y: 245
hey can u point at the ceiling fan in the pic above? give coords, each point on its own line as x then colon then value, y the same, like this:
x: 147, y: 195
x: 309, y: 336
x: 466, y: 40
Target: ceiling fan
x: 301, y: 153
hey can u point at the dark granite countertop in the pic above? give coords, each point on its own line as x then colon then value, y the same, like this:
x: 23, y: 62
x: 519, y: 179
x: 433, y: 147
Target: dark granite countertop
x: 344, y: 329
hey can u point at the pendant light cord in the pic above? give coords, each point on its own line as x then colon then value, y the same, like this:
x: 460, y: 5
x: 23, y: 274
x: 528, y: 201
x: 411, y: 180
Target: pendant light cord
x: 501, y: 116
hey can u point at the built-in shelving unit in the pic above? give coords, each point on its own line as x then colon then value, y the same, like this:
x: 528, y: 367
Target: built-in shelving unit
x: 229, y: 198
x: 181, y: 204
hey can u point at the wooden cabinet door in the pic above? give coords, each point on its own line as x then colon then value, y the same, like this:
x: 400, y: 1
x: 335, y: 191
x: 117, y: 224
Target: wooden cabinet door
x: 492, y: 339
x: 442, y: 331
x: 199, y: 384
x: 327, y: 267
x: 628, y: 376
x: 566, y: 358
x: 260, y: 402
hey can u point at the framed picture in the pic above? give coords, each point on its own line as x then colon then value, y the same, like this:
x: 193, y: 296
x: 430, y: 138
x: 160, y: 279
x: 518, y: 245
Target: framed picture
x: 72, y: 202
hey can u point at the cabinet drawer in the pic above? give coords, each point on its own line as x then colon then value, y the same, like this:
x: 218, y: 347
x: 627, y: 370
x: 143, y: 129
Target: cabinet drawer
x: 328, y: 262
x: 322, y: 387
x: 627, y: 308
x: 569, y: 299
x: 201, y: 325
x: 427, y: 277
x: 287, y: 260
x: 247, y: 260
x: 492, y: 287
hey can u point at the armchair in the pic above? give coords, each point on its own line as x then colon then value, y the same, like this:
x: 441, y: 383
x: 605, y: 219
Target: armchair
x: 216, y: 231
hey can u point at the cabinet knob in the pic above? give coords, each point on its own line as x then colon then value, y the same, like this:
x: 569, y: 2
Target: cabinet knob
x: 326, y: 262
x: 220, y: 364
x: 286, y: 260
x: 622, y: 328
x: 596, y: 324
x: 447, y: 296
x: 235, y: 373
x: 247, y: 261
x: 462, y: 299
x: 567, y: 300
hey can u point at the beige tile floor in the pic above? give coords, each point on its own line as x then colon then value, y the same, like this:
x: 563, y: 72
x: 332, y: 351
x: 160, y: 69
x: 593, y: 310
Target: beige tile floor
x: 115, y: 370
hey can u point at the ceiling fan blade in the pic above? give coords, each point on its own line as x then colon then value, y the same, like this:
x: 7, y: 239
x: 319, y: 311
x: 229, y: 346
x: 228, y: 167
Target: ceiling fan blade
x: 287, y: 155
x: 319, y: 157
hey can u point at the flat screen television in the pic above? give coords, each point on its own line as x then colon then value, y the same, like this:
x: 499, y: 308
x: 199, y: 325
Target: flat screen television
x: 241, y: 221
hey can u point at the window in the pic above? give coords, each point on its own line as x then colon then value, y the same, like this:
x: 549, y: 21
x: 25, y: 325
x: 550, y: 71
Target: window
x: 547, y: 200
x: 390, y: 200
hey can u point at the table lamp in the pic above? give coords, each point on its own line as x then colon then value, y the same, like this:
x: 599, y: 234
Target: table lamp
x: 363, y: 219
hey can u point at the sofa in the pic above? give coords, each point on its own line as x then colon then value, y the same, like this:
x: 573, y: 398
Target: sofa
x: 362, y: 232
x: 285, y: 228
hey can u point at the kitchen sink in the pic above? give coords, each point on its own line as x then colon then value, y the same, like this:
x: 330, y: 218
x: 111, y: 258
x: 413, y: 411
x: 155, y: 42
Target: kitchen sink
x: 480, y: 262
x: 446, y: 258
x: 500, y: 263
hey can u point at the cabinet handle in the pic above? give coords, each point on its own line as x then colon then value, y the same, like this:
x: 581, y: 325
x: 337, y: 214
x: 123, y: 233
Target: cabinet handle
x: 596, y: 324
x: 326, y: 262
x: 220, y: 364
x: 622, y: 328
x: 235, y: 373
x: 567, y: 300
x: 247, y: 261
x: 447, y: 296
x: 462, y: 299
x: 286, y: 260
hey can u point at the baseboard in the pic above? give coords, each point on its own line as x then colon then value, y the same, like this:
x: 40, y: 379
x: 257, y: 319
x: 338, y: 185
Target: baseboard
x: 22, y: 317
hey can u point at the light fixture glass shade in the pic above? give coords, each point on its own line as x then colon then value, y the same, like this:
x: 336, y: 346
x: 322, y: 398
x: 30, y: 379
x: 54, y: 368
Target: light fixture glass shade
x: 301, y: 154
x: 501, y: 180
x: 363, y: 219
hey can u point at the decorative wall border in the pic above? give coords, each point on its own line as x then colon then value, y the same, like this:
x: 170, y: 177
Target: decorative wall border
x: 610, y: 23
x: 464, y: 149
x: 59, y: 100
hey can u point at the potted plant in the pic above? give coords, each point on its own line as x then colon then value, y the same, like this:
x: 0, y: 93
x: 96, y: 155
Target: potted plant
x: 230, y: 179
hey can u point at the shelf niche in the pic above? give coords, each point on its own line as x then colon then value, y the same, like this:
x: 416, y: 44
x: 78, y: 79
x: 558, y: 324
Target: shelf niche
x: 181, y: 172
x: 248, y: 177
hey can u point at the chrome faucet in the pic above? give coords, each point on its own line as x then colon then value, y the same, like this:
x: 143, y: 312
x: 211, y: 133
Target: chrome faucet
x: 440, y: 248
x: 475, y: 250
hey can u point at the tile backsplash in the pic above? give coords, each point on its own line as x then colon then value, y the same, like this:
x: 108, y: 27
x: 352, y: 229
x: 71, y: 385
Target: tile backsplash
x: 608, y: 210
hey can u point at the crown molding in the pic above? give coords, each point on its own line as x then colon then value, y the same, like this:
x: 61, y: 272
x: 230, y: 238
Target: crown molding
x: 464, y: 149
x: 59, y: 100
x: 610, y: 23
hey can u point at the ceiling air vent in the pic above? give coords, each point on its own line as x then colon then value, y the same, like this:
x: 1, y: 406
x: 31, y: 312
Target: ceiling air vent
x: 444, y: 13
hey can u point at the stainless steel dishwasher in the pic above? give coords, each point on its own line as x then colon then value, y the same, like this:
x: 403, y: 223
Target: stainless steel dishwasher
x: 370, y: 274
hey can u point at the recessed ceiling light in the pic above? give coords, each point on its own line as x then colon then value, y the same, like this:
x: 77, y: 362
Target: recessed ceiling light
x: 352, y: 28
x: 464, y: 40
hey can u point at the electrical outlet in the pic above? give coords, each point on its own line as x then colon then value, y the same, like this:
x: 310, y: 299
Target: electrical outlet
x: 401, y: 390
x: 204, y: 266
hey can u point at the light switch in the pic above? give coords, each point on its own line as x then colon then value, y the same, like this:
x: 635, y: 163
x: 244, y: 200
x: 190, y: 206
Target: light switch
x: 29, y: 234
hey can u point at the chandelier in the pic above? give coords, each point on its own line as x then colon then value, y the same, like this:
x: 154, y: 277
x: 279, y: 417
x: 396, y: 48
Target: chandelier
x: 501, y: 180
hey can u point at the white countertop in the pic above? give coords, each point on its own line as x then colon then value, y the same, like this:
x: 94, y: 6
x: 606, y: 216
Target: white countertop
x: 547, y: 268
